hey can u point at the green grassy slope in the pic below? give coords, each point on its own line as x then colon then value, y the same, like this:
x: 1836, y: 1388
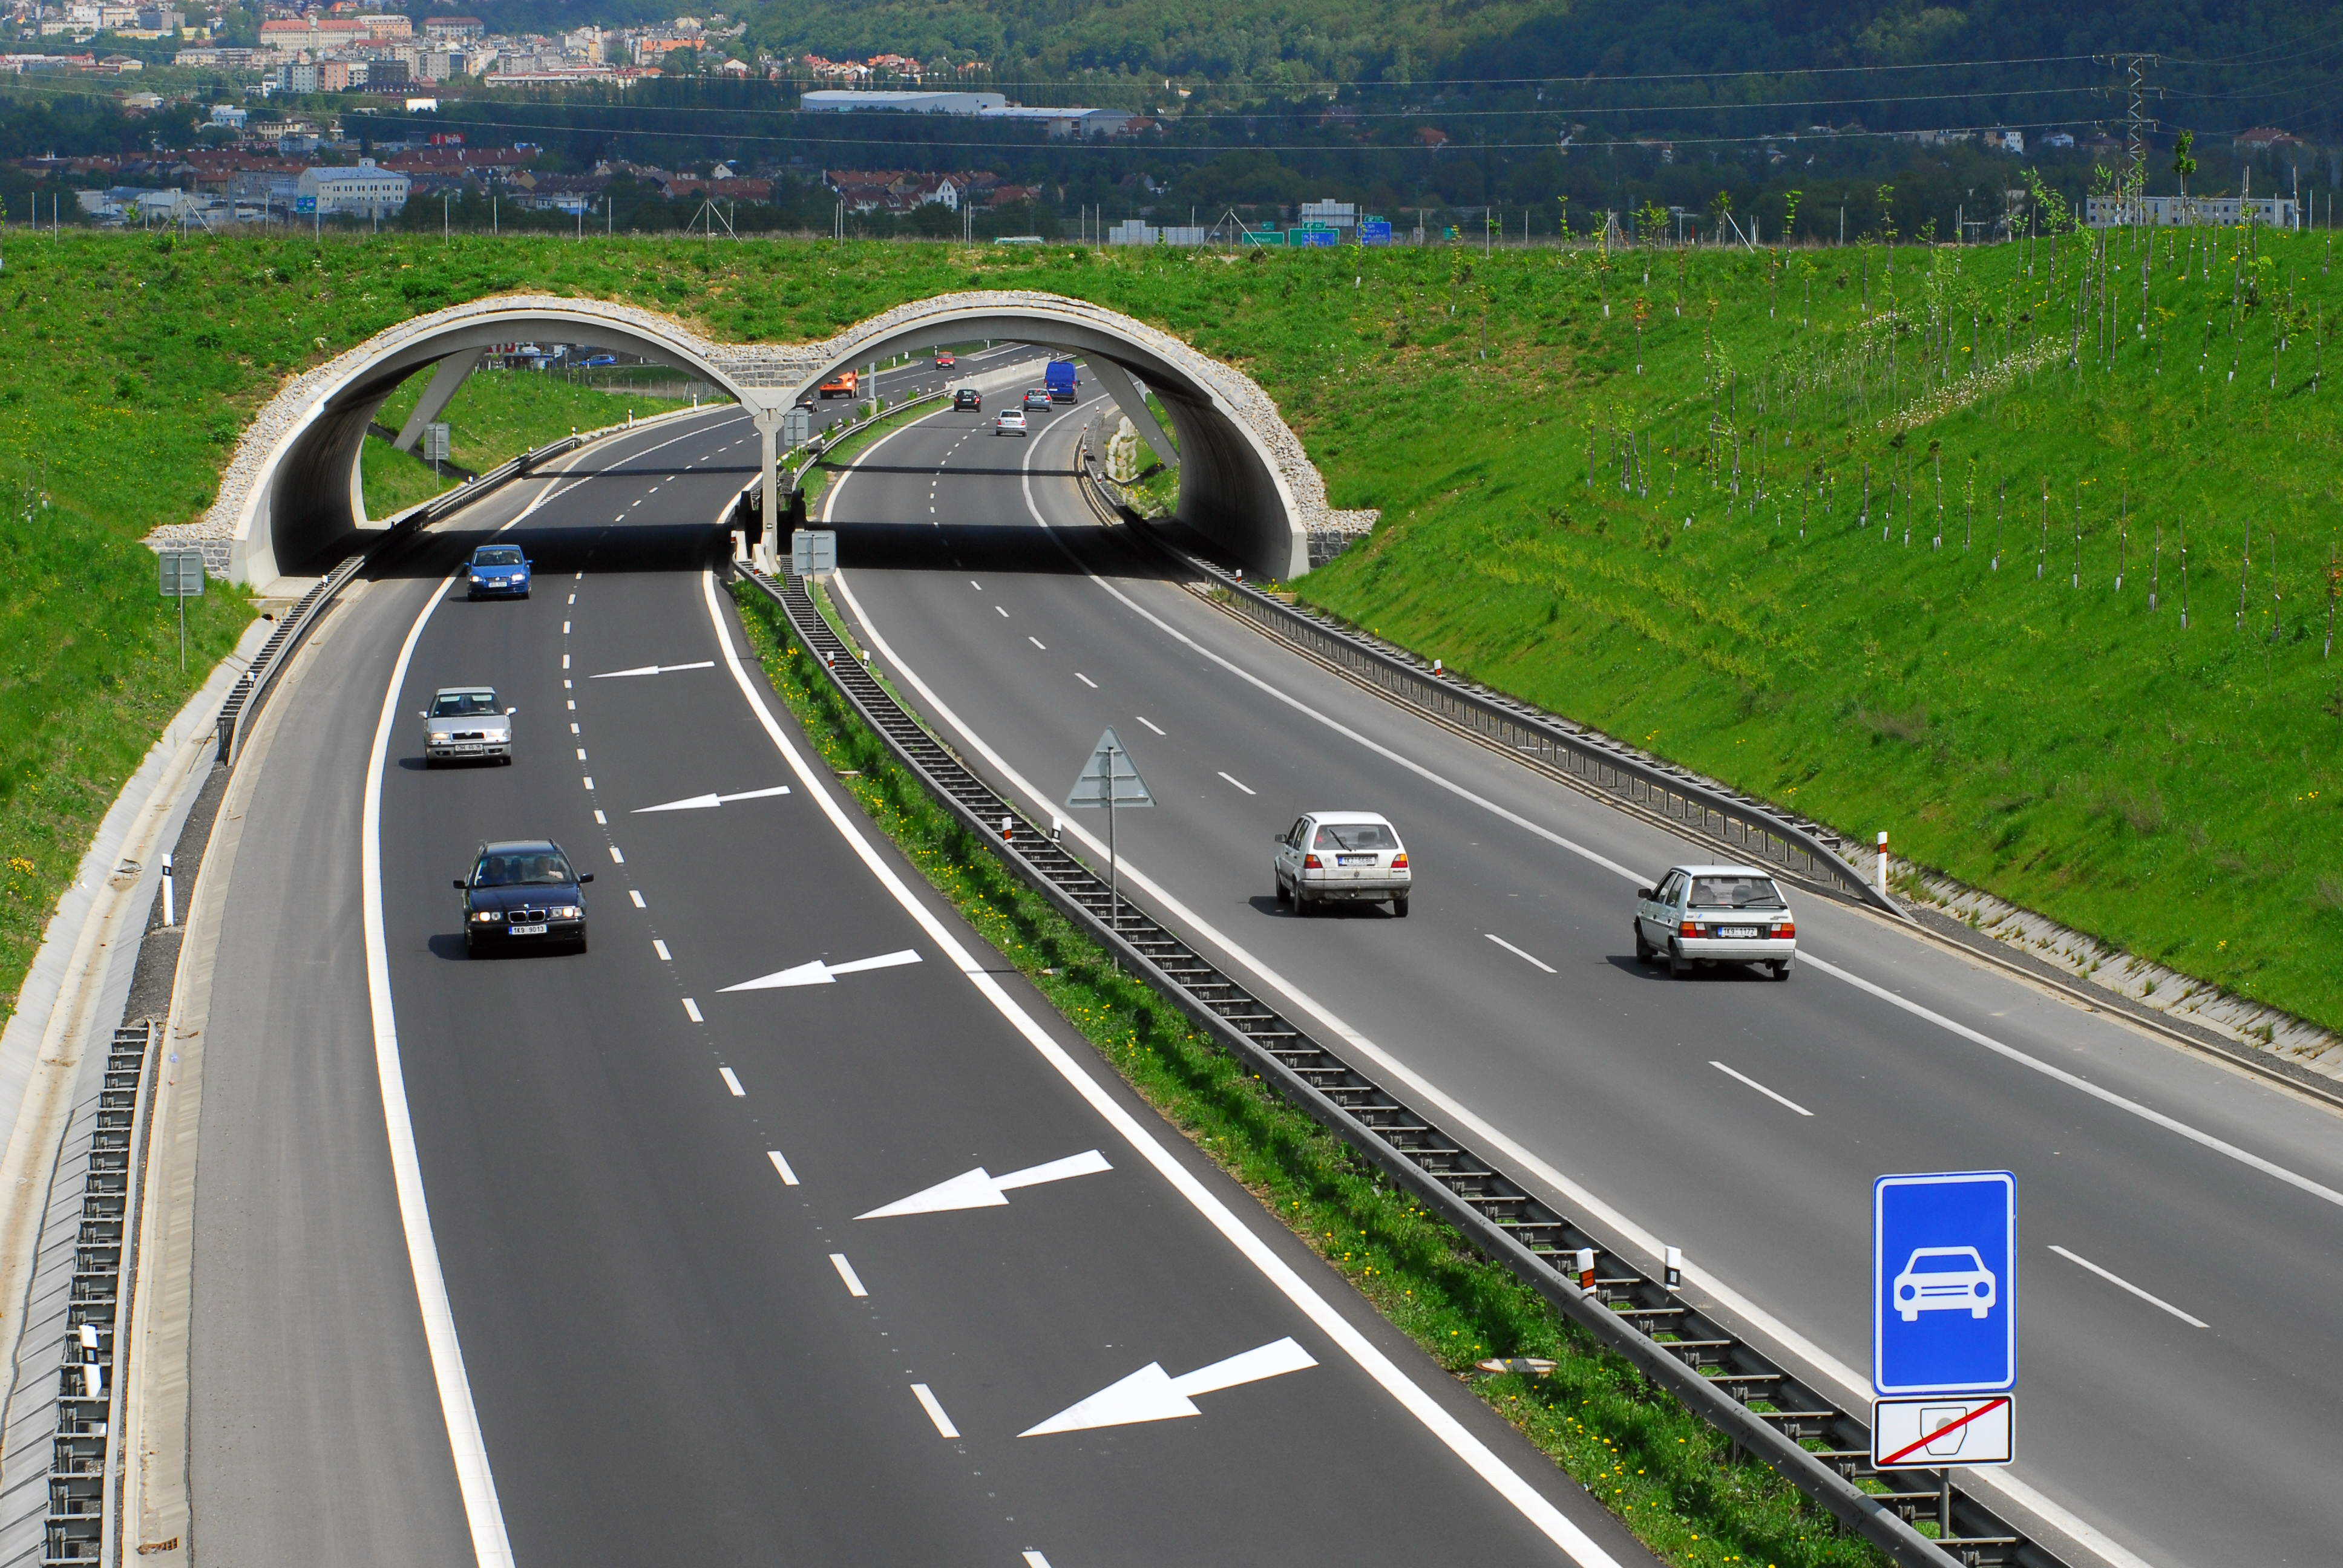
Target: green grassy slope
x: 2059, y: 745
x: 494, y: 415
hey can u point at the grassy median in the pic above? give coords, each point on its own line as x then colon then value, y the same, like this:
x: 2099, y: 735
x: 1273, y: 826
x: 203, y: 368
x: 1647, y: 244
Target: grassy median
x: 1660, y: 1469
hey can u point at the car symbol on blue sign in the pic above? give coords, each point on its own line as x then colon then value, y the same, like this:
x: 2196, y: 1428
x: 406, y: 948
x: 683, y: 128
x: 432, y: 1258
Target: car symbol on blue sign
x: 1944, y: 1283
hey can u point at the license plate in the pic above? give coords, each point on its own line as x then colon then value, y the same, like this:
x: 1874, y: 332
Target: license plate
x: 1354, y: 860
x: 1737, y: 932
x: 524, y: 930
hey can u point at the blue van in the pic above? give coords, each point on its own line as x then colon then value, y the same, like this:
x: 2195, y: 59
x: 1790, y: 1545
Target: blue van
x: 1060, y: 380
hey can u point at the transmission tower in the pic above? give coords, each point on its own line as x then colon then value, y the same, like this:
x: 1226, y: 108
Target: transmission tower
x: 2132, y: 70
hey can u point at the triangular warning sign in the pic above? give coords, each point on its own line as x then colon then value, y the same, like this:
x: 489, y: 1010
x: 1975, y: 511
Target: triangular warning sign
x: 1109, y: 777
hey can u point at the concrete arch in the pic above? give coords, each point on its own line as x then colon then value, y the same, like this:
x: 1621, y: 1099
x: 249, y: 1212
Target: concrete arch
x: 291, y: 490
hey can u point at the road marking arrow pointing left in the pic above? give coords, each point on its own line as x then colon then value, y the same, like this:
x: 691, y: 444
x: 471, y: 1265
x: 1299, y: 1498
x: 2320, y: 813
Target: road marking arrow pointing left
x: 706, y: 802
x: 820, y: 973
x: 655, y: 669
x: 1150, y: 1394
x: 978, y: 1190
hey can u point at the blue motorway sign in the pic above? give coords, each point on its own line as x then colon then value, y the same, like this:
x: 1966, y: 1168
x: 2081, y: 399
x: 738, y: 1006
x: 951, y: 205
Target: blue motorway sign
x: 1374, y: 231
x: 1944, y: 1283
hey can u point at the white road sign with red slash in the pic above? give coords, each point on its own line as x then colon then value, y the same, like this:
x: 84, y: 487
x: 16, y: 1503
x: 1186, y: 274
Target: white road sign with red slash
x: 1939, y: 1432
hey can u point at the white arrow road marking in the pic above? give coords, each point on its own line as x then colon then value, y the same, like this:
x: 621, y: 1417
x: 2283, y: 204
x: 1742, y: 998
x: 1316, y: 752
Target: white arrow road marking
x: 1150, y: 1394
x: 655, y: 669
x: 703, y: 802
x: 820, y: 973
x: 978, y: 1190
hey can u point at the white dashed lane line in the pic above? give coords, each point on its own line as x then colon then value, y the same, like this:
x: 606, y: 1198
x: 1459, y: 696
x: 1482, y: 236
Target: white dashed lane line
x: 1086, y: 680
x: 1037, y: 642
x: 789, y: 1177
x: 1148, y: 722
x: 1776, y: 1099
x: 1002, y: 613
x: 1502, y: 942
x: 637, y: 897
x: 660, y: 947
x: 1251, y: 790
x: 846, y: 1272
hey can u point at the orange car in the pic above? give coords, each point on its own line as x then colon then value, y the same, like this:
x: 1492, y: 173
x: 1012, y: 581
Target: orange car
x: 845, y: 384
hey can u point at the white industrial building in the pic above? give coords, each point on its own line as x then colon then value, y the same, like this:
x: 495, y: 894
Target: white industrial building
x: 2166, y: 212
x: 364, y: 191
x: 845, y: 100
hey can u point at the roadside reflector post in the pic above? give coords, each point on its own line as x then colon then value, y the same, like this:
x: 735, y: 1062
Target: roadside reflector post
x: 170, y: 913
x: 1055, y: 826
x: 1585, y: 1262
x: 1004, y: 829
x: 1883, y: 862
x: 1671, y: 1267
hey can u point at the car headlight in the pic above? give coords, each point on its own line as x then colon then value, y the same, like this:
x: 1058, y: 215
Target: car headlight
x: 488, y: 917
x: 567, y: 911
x: 438, y: 737
x: 477, y: 577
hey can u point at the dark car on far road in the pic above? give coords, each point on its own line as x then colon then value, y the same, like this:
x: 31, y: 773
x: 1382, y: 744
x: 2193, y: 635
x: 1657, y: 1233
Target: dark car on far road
x: 498, y: 570
x: 968, y: 398
x: 523, y: 893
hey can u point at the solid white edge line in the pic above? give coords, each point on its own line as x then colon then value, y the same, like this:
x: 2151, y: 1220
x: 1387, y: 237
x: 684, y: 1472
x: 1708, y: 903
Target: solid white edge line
x: 1852, y: 1387
x: 475, y: 1479
x: 1509, y: 947
x: 1744, y: 1078
x: 789, y: 1177
x: 2123, y: 1284
x: 1533, y: 1505
x: 846, y: 1271
x: 944, y: 1427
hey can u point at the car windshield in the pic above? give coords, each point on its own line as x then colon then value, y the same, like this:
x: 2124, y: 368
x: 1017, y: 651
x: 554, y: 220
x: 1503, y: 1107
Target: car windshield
x: 523, y: 868
x: 464, y: 704
x: 1943, y: 1263
x: 496, y: 556
x: 1355, y: 836
x: 1747, y: 891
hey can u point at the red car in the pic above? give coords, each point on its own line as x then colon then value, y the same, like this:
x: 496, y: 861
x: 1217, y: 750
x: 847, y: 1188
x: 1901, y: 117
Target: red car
x: 944, y: 361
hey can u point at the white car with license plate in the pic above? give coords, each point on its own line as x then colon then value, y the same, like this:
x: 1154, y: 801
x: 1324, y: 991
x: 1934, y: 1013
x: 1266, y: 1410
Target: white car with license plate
x: 466, y: 724
x: 1342, y: 858
x: 1716, y: 914
x: 1008, y: 422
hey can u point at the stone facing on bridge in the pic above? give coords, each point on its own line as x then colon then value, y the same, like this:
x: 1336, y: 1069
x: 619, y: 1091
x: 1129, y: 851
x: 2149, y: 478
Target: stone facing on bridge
x: 759, y: 374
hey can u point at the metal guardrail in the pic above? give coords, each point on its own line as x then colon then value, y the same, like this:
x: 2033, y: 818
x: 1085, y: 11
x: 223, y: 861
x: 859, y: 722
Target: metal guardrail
x: 1586, y: 757
x: 252, y: 688
x: 821, y: 445
x: 85, y: 1467
x: 1735, y: 1387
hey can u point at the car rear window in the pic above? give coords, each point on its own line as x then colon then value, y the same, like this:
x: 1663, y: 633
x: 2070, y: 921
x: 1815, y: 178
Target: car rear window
x: 497, y: 556
x: 525, y: 868
x: 1735, y: 893
x: 464, y: 704
x: 1355, y: 836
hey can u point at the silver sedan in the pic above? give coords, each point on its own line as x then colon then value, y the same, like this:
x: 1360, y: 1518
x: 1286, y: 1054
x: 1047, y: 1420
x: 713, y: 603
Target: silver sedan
x: 1716, y: 914
x: 466, y: 724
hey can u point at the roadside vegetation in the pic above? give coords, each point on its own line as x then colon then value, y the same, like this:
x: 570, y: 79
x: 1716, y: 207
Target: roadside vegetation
x: 1675, y: 1480
x: 494, y: 414
x: 1537, y: 427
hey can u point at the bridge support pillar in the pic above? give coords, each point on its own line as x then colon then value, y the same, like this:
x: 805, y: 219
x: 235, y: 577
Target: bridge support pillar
x: 451, y: 374
x: 1133, y: 403
x: 768, y: 421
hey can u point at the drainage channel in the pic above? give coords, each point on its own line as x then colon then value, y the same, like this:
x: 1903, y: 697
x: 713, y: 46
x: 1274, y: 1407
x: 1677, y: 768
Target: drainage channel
x: 1750, y: 1397
x: 85, y: 1472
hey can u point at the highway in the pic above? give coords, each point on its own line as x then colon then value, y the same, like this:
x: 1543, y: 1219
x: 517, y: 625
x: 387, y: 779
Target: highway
x: 2181, y: 1224
x: 577, y: 1258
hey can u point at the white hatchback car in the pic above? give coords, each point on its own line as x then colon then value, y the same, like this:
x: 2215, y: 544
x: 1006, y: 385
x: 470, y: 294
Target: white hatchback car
x: 1008, y: 422
x: 1716, y: 914
x: 1348, y: 857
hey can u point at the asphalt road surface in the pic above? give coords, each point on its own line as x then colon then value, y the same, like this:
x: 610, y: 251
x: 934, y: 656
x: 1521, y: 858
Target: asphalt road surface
x: 651, y: 1186
x: 2180, y: 1223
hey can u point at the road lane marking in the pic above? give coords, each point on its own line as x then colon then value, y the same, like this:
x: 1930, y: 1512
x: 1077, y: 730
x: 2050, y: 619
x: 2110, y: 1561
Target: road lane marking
x: 1035, y: 1560
x: 573, y: 599
x: 819, y: 973
x: 978, y: 1189
x: 692, y: 1012
x: 638, y: 899
x: 1509, y: 947
x: 846, y: 1271
x: 1282, y: 1276
x: 732, y: 1083
x: 573, y: 727
x: 1744, y: 1078
x: 2121, y: 1283
x: 565, y: 628
x: 1148, y: 722
x: 615, y: 857
x: 589, y: 780
x: 789, y: 1177
x: 709, y: 802
x: 1086, y: 680
x: 581, y: 754
x: 475, y: 1478
x: 600, y: 821
x: 935, y: 1410
x: 1152, y: 1395
x: 1251, y: 790
x: 645, y: 668
x: 659, y: 948
x: 1037, y: 642
x: 1002, y: 613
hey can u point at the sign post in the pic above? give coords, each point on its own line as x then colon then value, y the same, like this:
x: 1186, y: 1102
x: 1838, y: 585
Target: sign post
x: 1944, y: 1324
x: 434, y: 445
x: 1109, y: 779
x: 182, y: 580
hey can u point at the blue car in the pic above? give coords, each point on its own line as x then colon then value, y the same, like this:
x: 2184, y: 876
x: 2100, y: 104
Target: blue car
x: 498, y: 571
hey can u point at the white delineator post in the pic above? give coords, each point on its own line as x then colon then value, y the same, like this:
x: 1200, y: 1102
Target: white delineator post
x: 1883, y: 862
